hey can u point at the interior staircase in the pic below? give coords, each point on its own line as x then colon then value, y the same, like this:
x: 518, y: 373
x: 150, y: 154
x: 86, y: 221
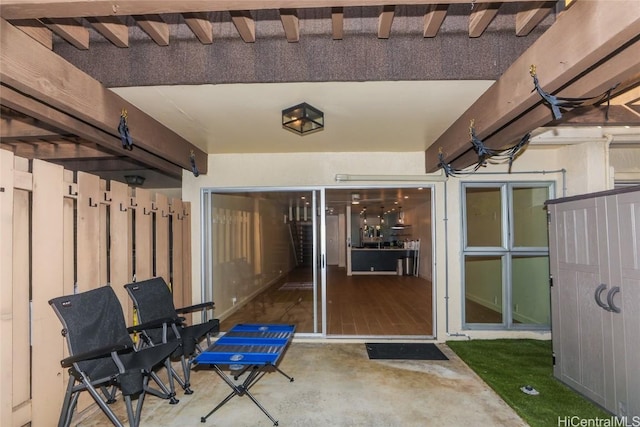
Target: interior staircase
x: 302, y: 241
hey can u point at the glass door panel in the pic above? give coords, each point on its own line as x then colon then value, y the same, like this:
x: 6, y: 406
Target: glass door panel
x: 261, y: 262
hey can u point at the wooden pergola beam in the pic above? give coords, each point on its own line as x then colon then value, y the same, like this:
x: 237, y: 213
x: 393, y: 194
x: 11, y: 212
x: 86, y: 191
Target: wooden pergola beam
x: 245, y: 25
x: 111, y: 28
x: 37, y: 31
x: 12, y: 128
x: 20, y: 9
x: 155, y: 27
x: 622, y: 69
x: 385, y: 20
x: 337, y: 23
x: 200, y: 25
x: 530, y: 15
x: 44, y: 113
x: 64, y: 150
x: 32, y: 69
x: 291, y: 25
x: 433, y: 19
x: 614, y: 115
x: 70, y: 30
x: 480, y: 18
x: 97, y: 164
x: 581, y: 38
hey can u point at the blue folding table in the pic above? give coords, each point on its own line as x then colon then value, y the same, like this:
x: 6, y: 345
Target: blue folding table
x: 255, y: 348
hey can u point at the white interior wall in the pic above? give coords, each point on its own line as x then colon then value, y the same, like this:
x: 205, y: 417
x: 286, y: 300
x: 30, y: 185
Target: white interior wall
x: 586, y: 171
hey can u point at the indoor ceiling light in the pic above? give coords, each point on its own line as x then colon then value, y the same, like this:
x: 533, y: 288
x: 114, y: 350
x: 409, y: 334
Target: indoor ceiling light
x: 400, y: 224
x: 302, y: 119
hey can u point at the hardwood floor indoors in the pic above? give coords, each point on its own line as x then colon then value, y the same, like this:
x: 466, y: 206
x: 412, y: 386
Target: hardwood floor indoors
x: 363, y: 305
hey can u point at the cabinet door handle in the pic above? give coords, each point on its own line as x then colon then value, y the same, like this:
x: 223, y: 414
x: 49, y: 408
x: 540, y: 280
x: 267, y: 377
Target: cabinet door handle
x: 597, y: 294
x: 610, y: 295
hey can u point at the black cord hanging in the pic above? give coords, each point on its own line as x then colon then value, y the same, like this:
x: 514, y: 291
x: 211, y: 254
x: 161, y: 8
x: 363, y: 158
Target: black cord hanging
x: 485, y: 155
x: 451, y: 171
x: 194, y: 168
x: 123, y: 130
x: 557, y: 103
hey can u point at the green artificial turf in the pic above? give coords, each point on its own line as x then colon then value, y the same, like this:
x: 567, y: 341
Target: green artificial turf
x: 507, y: 365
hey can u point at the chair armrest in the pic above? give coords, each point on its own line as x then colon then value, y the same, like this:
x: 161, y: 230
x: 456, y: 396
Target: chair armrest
x: 204, y: 305
x: 154, y: 324
x: 93, y: 354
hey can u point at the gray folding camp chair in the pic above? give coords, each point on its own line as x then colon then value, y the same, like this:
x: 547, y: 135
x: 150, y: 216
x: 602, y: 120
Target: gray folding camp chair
x: 102, y: 357
x: 153, y: 301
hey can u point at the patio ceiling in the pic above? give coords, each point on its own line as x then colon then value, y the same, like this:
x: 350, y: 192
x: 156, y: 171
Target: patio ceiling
x: 389, y: 78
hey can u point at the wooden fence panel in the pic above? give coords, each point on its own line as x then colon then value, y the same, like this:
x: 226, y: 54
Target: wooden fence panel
x: 58, y: 237
x: 47, y: 282
x: 6, y: 279
x: 144, y: 235
x: 69, y: 227
x: 176, y: 283
x: 161, y: 213
x: 186, y: 256
x: 21, y: 272
x: 88, y: 237
x: 15, y: 183
x: 104, y: 231
x: 120, y: 248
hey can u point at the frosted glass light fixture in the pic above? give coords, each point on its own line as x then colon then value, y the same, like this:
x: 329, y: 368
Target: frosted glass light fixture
x: 303, y: 119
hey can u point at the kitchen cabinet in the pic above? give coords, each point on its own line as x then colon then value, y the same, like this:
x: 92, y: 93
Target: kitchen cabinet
x: 379, y: 261
x: 594, y: 253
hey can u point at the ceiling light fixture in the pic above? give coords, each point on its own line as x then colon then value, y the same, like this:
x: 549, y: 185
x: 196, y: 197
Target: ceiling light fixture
x: 302, y: 119
x: 400, y: 224
x: 134, y: 180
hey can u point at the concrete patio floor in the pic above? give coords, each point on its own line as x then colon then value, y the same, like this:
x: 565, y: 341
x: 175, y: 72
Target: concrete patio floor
x: 337, y: 385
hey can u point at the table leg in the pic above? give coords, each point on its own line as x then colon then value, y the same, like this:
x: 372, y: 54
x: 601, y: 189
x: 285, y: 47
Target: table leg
x: 239, y: 390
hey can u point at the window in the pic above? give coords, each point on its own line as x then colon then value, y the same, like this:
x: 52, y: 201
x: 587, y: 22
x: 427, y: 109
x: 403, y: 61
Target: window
x: 505, y: 255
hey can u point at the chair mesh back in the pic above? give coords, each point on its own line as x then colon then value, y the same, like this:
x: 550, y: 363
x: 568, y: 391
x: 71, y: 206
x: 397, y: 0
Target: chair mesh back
x: 153, y: 301
x: 92, y: 320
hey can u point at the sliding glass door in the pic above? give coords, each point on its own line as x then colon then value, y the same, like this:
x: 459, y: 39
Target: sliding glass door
x: 505, y: 256
x: 261, y: 260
